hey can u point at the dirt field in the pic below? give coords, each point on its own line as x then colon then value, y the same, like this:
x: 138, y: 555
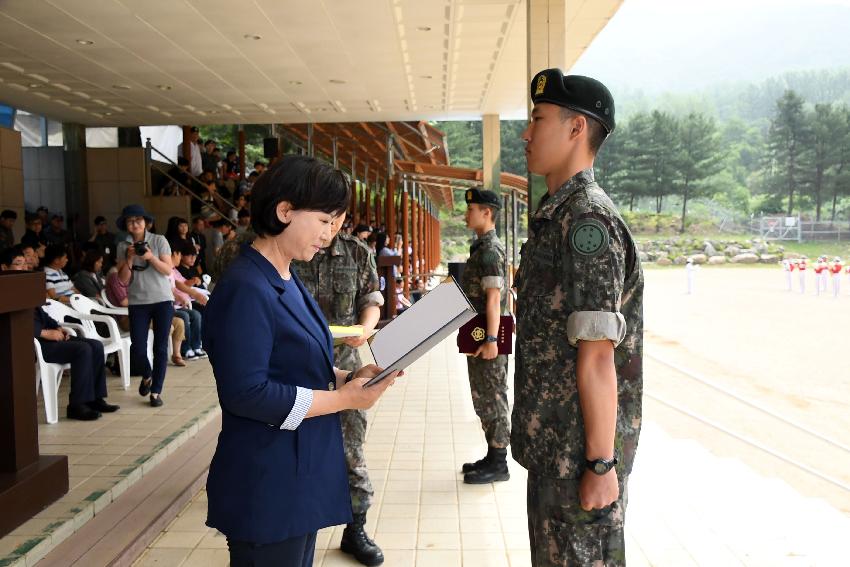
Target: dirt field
x: 787, y: 352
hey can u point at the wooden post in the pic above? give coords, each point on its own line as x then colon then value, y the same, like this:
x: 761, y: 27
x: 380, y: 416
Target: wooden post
x: 368, y: 195
x: 187, y: 144
x: 390, y: 205
x: 414, y: 229
x: 405, y: 239
x: 241, y: 152
x: 423, y: 236
x: 29, y: 482
x: 355, y: 213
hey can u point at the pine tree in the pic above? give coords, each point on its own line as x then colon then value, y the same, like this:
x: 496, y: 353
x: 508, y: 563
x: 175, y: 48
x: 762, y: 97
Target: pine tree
x: 699, y: 157
x: 787, y: 141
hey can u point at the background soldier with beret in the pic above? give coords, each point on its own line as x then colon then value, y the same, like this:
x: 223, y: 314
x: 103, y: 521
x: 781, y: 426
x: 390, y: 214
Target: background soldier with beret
x: 578, y: 380
x: 485, y: 286
x: 343, y: 279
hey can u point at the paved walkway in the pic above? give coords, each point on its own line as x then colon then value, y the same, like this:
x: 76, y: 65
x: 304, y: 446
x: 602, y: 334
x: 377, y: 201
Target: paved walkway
x: 109, y: 455
x: 687, y: 506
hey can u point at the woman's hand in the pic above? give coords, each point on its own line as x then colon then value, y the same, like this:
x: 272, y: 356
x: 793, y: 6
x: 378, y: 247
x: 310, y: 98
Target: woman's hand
x: 358, y: 397
x: 148, y: 255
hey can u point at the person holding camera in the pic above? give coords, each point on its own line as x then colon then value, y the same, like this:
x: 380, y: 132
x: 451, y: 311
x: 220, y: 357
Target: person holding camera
x: 144, y: 263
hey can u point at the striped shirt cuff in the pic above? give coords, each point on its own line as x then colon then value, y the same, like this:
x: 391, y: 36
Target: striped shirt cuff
x: 303, y: 401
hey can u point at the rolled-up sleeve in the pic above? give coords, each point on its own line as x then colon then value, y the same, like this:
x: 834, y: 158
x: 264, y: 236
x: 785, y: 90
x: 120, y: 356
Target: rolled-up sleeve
x: 368, y: 286
x: 303, y: 401
x: 595, y: 326
x: 238, y: 335
x: 492, y: 282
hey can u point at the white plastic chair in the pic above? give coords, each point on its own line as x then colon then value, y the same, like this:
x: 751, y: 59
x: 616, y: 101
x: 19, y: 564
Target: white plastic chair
x: 118, y: 309
x: 48, y: 375
x: 114, y: 342
x: 124, y: 311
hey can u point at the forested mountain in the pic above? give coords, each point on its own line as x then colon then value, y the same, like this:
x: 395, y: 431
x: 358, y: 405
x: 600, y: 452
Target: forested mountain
x: 778, y: 146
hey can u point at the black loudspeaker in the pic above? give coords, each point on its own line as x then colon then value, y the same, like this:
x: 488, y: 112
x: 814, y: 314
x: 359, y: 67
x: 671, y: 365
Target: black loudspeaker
x: 270, y: 148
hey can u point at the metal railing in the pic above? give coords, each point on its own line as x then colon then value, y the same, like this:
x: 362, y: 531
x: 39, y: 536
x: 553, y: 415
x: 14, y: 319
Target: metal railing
x: 149, y: 148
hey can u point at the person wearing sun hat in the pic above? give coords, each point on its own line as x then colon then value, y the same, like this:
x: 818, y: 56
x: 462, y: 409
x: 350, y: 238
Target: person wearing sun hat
x: 578, y: 383
x: 144, y: 264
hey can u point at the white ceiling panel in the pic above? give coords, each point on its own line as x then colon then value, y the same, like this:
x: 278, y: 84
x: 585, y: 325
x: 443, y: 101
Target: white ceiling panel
x: 260, y: 61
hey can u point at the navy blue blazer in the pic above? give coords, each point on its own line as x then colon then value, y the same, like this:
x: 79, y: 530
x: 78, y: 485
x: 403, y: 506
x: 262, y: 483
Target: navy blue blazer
x: 266, y: 484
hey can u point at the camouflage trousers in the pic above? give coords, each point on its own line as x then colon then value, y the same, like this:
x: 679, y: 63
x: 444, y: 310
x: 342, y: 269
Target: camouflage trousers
x: 353, y: 437
x: 488, y: 380
x: 563, y: 535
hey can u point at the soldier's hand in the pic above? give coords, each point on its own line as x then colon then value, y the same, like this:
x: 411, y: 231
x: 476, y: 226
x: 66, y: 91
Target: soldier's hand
x: 355, y: 341
x: 597, y: 491
x: 487, y: 351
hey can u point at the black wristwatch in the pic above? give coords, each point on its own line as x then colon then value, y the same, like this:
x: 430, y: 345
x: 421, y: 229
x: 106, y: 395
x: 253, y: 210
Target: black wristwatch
x: 600, y: 466
x: 490, y: 339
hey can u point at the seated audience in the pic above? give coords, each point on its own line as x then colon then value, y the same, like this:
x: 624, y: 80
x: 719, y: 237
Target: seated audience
x: 199, y: 239
x: 59, y: 285
x: 208, y: 159
x: 56, y: 233
x: 192, y: 319
x: 88, y: 375
x: 231, y: 165
x: 89, y: 280
x: 177, y: 179
x: 13, y: 259
x: 243, y: 221
x: 7, y: 222
x: 33, y: 234
x: 104, y: 241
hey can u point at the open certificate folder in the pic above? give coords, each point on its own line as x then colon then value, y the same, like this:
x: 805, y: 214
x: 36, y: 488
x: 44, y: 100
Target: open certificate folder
x: 420, y: 328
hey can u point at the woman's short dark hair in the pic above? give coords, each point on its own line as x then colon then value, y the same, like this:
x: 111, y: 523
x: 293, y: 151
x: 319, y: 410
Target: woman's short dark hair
x: 305, y: 182
x: 90, y: 259
x: 53, y: 252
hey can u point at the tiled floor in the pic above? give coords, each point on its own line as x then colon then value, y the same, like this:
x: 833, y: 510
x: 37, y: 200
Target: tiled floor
x: 108, y: 455
x: 708, y: 511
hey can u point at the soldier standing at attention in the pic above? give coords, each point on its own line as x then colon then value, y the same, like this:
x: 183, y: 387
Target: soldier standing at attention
x: 485, y: 286
x: 343, y: 279
x: 579, y: 377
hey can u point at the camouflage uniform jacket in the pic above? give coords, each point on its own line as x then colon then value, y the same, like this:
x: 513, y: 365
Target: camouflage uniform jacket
x: 229, y: 252
x: 580, y: 278
x: 485, y: 269
x: 343, y: 279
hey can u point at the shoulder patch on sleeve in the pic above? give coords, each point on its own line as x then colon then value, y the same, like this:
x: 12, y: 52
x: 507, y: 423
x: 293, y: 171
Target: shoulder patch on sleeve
x: 490, y: 257
x: 588, y: 237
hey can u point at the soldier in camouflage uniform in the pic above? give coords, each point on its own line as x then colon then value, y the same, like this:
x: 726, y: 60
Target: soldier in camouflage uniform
x: 229, y: 251
x: 343, y: 279
x: 579, y: 379
x: 485, y: 286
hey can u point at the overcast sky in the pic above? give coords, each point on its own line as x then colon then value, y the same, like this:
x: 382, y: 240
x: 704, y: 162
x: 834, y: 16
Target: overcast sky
x: 684, y: 45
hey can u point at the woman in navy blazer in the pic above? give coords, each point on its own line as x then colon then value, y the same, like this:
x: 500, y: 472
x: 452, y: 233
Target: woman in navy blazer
x: 279, y: 473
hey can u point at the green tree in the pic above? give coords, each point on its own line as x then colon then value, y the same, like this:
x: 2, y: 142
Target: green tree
x: 822, y: 151
x: 787, y: 141
x: 699, y: 157
x: 662, y: 157
x: 840, y: 179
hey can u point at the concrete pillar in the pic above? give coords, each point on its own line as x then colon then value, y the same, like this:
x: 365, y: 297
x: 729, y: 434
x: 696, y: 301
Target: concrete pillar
x: 546, y: 48
x: 492, y: 151
x: 76, y: 180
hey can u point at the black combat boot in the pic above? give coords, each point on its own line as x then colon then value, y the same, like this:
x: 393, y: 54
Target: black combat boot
x: 485, y: 460
x: 357, y: 543
x: 495, y: 469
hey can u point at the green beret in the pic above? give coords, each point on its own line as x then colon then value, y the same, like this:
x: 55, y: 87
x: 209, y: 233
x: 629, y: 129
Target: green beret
x: 582, y: 94
x: 483, y: 197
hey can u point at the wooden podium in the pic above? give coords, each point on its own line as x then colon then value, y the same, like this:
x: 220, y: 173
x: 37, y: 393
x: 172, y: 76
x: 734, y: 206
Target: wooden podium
x: 28, y: 482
